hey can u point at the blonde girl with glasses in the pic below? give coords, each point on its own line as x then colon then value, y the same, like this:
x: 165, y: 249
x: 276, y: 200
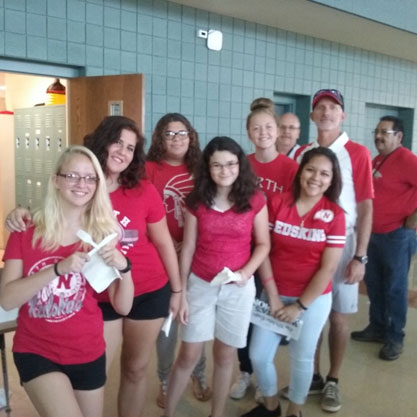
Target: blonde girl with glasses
x: 171, y: 164
x: 226, y: 215
x: 145, y: 239
x: 59, y: 346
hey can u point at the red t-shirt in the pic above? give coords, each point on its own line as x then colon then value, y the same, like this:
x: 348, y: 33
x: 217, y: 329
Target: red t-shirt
x: 356, y: 169
x: 173, y: 183
x: 395, y: 182
x: 223, y: 239
x: 275, y: 176
x: 298, y: 242
x: 134, y: 209
x: 62, y: 322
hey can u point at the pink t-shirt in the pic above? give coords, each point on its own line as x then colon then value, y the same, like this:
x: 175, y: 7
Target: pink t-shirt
x: 223, y: 238
x: 356, y: 169
x: 173, y: 183
x: 275, y: 176
x: 134, y: 209
x: 395, y: 182
x: 298, y: 242
x: 62, y: 322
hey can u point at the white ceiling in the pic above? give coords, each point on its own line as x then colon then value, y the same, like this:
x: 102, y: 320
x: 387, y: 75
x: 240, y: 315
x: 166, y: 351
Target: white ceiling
x: 312, y: 19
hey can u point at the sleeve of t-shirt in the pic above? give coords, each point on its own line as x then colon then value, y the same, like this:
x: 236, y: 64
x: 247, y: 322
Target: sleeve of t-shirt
x: 336, y: 235
x: 14, y: 248
x: 411, y: 169
x: 362, y: 173
x: 274, y: 204
x: 156, y: 209
x: 258, y: 201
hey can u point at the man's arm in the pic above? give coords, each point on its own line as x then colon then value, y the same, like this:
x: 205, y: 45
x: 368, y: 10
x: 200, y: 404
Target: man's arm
x: 355, y: 270
x: 411, y: 221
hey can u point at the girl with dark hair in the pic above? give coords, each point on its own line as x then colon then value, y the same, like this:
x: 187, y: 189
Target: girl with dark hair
x: 226, y: 214
x: 145, y: 239
x: 308, y: 236
x: 171, y: 163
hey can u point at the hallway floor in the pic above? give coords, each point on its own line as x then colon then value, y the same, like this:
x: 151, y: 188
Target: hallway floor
x: 370, y: 387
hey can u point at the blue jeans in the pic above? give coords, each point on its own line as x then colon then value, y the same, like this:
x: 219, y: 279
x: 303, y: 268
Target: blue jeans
x: 386, y: 280
x: 264, y: 345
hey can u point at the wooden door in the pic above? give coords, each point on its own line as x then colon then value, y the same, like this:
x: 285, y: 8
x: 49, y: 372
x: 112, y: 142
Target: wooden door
x: 90, y: 99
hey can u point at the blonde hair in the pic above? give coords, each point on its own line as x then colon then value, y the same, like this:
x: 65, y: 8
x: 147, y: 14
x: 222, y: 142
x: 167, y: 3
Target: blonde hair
x: 261, y: 105
x: 98, y: 219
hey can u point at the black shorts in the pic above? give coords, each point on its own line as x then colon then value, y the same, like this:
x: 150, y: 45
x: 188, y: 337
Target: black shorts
x: 83, y: 376
x: 148, y: 306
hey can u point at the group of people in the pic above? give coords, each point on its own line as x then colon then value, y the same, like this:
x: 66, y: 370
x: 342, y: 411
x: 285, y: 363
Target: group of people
x: 295, y: 233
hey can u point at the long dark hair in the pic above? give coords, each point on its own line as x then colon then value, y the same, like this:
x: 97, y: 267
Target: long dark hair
x: 333, y: 192
x: 205, y: 188
x: 157, y: 149
x: 107, y: 133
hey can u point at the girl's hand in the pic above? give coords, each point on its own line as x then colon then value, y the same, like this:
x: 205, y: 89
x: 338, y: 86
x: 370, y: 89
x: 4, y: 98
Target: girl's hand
x: 113, y: 257
x: 177, y: 246
x: 289, y: 313
x: 244, y: 279
x: 15, y: 221
x: 183, y: 312
x: 275, y: 304
x: 175, y: 303
x: 73, y: 264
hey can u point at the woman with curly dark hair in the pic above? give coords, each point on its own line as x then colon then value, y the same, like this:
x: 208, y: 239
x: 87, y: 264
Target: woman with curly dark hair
x: 171, y: 163
x: 226, y: 216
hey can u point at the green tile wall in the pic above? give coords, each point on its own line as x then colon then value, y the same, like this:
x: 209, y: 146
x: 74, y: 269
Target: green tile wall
x: 214, y: 89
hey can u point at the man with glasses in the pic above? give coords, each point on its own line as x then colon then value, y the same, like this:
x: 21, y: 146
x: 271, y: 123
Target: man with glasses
x: 356, y: 199
x: 289, y: 132
x: 393, y: 239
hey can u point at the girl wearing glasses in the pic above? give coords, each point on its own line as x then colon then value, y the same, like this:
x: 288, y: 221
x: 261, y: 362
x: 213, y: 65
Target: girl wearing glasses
x: 225, y: 215
x: 307, y: 240
x: 145, y: 239
x: 59, y: 346
x: 171, y: 165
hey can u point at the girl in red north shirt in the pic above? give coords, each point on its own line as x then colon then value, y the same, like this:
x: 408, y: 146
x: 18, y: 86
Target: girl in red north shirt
x: 307, y: 236
x: 58, y: 345
x: 274, y: 170
x: 275, y: 173
x: 172, y: 160
x: 226, y: 216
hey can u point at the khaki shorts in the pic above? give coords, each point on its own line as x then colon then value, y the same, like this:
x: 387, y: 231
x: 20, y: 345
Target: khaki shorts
x: 221, y: 312
x: 345, y: 296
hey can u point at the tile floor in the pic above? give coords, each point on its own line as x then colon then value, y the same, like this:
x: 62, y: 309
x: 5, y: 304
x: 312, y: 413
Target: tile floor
x: 370, y: 387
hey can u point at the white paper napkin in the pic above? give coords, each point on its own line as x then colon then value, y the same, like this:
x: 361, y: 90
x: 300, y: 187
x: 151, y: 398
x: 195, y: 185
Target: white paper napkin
x: 225, y: 276
x: 98, y: 274
x: 166, y: 327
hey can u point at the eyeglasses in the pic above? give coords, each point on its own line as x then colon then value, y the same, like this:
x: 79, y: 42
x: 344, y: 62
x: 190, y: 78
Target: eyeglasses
x: 384, y: 132
x: 170, y: 135
x: 291, y: 127
x: 228, y: 165
x: 72, y: 178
